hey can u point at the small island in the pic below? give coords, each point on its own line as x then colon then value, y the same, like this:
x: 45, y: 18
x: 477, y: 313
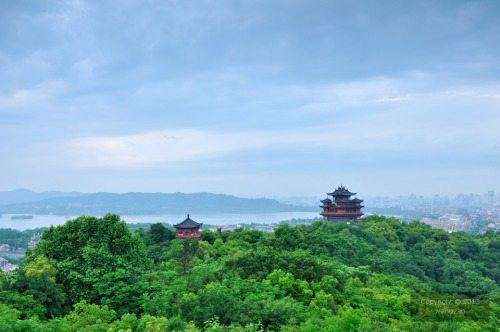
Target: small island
x: 21, y: 217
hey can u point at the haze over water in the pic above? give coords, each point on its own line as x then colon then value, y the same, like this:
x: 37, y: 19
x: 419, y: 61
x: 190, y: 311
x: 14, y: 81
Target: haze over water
x: 212, y: 219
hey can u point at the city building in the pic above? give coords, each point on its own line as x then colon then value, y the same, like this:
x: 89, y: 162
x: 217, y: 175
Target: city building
x: 490, y: 196
x: 341, y: 208
x: 493, y: 227
x: 34, y: 240
x: 450, y: 223
x: 188, y: 229
x: 9, y: 268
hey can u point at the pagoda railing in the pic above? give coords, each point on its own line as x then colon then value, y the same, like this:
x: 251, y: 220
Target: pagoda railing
x: 187, y: 236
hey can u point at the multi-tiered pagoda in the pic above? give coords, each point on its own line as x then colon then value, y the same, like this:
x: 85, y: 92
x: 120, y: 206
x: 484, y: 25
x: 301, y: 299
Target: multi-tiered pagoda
x: 188, y: 229
x: 342, y: 208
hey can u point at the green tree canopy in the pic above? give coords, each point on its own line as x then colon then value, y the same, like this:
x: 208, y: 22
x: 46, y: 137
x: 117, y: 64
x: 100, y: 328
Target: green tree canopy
x: 85, y: 249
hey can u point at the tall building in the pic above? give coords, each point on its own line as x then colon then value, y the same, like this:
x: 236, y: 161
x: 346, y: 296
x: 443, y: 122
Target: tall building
x: 491, y: 198
x: 341, y: 208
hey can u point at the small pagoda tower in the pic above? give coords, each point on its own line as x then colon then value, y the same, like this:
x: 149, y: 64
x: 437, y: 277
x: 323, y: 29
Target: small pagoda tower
x: 341, y: 208
x: 188, y: 229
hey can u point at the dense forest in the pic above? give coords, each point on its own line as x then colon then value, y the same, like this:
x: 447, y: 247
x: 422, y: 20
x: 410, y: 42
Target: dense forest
x: 94, y: 274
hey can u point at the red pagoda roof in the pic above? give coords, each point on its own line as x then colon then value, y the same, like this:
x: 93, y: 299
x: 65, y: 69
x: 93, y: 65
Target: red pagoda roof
x: 341, y: 191
x: 188, y: 223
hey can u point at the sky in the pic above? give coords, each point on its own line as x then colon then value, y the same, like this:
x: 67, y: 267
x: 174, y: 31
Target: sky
x: 250, y: 98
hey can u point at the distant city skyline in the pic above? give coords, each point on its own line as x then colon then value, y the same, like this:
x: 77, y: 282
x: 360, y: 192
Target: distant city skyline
x: 251, y: 99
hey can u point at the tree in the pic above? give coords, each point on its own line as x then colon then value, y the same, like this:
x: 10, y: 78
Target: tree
x: 89, y: 317
x: 288, y: 238
x: 121, y: 291
x: 38, y: 266
x: 43, y: 290
x: 209, y: 236
x: 11, y: 320
x: 24, y: 305
x: 160, y: 233
x: 185, y: 256
x: 85, y: 249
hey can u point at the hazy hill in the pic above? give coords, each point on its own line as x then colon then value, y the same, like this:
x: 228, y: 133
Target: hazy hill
x: 25, y: 195
x: 148, y: 203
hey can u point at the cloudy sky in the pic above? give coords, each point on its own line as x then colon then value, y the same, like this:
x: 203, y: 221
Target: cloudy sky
x: 250, y: 98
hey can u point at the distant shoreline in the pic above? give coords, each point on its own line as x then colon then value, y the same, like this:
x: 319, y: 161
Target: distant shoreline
x: 222, y: 219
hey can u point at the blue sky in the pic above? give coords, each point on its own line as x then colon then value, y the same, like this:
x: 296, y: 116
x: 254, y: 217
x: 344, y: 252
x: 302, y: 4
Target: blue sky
x: 250, y: 98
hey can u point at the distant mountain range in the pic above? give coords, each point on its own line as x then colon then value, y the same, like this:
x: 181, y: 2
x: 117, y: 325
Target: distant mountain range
x: 73, y: 203
x: 25, y: 195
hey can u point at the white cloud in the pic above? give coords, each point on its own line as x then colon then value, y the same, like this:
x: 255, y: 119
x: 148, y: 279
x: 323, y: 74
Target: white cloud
x: 393, y: 99
x: 70, y: 19
x: 380, y: 114
x: 35, y: 66
x: 357, y: 92
x: 37, y: 95
x: 153, y: 148
x: 363, y: 95
x: 174, y: 146
x: 184, y: 145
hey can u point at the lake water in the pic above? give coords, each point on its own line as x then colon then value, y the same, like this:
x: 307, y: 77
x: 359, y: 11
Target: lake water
x: 212, y: 219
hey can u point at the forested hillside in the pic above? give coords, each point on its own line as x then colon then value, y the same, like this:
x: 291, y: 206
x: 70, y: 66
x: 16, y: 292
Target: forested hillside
x: 93, y: 274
